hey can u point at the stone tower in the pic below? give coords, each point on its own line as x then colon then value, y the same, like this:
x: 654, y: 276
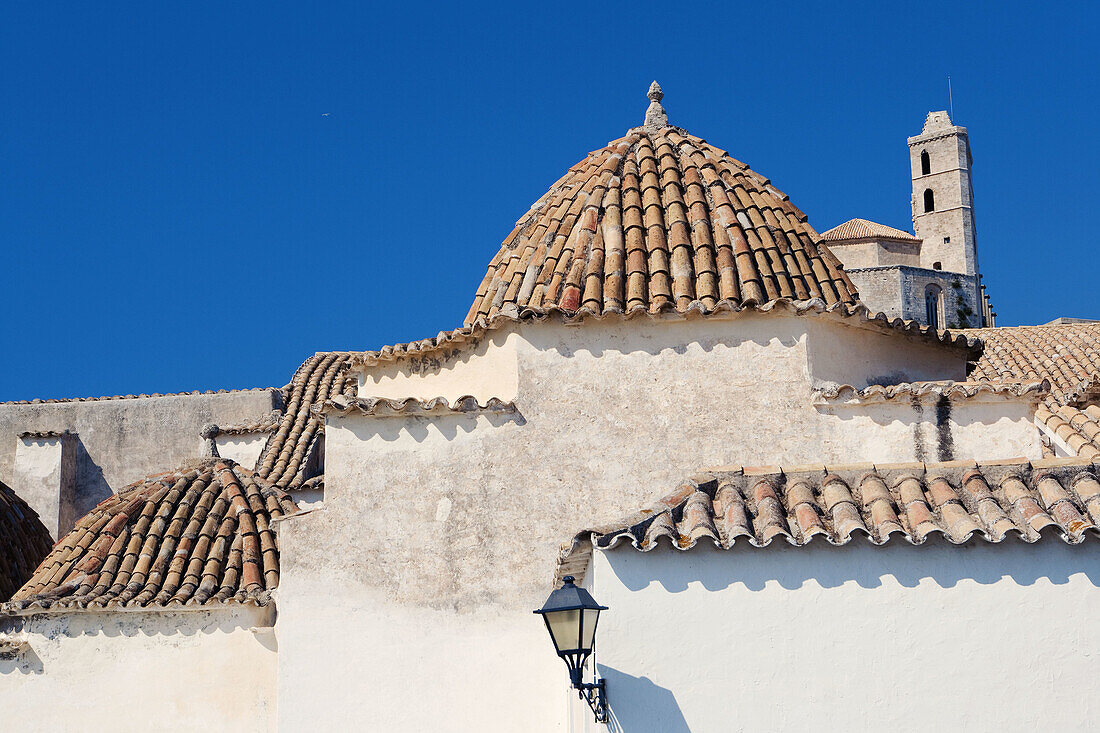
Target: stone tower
x: 932, y: 277
x: 943, y: 196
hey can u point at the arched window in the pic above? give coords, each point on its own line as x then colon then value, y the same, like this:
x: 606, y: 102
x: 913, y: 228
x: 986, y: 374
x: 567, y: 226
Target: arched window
x: 929, y: 201
x: 925, y: 163
x: 933, y: 306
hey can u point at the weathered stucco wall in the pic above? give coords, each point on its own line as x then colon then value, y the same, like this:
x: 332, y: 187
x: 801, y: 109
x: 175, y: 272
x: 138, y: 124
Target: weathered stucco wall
x: 244, y: 449
x: 861, y: 357
x: 976, y: 638
x: 350, y: 658
x: 483, y: 370
x: 122, y: 440
x: 45, y: 472
x: 139, y: 670
x: 433, y: 524
x: 927, y: 428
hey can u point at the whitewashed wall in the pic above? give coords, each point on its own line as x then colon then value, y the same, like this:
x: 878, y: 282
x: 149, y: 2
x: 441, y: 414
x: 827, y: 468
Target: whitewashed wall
x: 901, y: 638
x: 410, y: 592
x: 139, y: 670
x: 244, y: 449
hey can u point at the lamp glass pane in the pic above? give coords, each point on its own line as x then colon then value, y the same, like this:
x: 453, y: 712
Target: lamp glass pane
x: 565, y: 628
x: 589, y: 631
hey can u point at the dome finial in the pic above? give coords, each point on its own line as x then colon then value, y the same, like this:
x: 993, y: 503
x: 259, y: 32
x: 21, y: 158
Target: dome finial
x: 655, y: 116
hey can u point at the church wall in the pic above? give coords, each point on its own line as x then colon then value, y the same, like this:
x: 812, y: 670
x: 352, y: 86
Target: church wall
x: 139, y: 670
x: 123, y: 440
x: 880, y: 289
x: 483, y: 370
x: 936, y: 637
x: 899, y: 292
x: 927, y: 428
x: 243, y: 449
x: 862, y: 357
x: 439, y: 532
x: 960, y: 296
x: 876, y: 253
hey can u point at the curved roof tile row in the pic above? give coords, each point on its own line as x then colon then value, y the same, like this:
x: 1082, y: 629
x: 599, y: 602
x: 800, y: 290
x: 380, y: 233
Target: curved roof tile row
x: 195, y: 536
x: 955, y: 501
x: 658, y: 219
x: 24, y: 540
x: 1066, y: 354
x: 321, y: 377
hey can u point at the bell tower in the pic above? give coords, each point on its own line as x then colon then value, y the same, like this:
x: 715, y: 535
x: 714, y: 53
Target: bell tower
x: 943, y: 196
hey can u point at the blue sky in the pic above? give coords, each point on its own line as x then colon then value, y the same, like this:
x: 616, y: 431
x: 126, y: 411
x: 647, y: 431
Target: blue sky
x: 199, y: 197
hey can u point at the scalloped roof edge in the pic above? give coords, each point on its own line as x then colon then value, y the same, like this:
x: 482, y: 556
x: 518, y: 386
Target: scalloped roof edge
x: 1034, y: 388
x: 696, y: 309
x: 574, y: 556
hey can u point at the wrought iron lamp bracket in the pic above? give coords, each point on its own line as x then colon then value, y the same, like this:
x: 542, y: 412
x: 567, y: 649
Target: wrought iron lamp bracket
x: 595, y: 694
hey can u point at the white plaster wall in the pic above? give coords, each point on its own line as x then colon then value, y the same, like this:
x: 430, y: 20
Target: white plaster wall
x: 861, y: 357
x: 148, y: 671
x: 244, y: 449
x: 352, y: 659
x: 439, y: 533
x: 43, y: 481
x: 899, y: 430
x: 901, y: 638
x: 484, y: 369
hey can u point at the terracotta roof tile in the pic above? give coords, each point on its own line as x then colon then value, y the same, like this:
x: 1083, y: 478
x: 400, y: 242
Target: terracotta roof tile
x: 322, y: 376
x: 24, y: 541
x: 1068, y: 355
x: 864, y: 229
x: 958, y: 501
x: 199, y: 535
x: 1034, y: 389
x: 658, y: 220
x: 409, y: 406
x: 857, y: 312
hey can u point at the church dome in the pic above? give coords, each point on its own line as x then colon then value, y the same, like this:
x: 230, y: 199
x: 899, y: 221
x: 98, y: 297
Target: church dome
x: 659, y: 220
x: 24, y: 541
x: 198, y: 535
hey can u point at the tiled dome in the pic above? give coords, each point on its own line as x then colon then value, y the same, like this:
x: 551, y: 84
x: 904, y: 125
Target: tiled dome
x: 198, y: 535
x: 659, y: 220
x: 24, y: 541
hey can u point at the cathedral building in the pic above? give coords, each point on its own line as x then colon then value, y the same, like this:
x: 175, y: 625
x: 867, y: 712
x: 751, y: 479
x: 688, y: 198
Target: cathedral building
x: 931, y: 277
x: 793, y: 495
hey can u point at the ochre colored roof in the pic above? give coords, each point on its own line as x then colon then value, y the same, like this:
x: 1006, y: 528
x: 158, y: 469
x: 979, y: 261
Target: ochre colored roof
x: 199, y: 535
x: 323, y: 376
x: 24, y: 541
x: 1068, y: 356
x: 864, y: 229
x: 957, y: 501
x: 656, y: 221
x: 1078, y: 428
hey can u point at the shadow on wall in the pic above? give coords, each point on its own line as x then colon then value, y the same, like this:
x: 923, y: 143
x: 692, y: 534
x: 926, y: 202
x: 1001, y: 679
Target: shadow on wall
x: 938, y: 561
x: 22, y: 660
x: 449, y: 425
x: 91, y: 486
x: 642, y: 336
x: 661, y: 713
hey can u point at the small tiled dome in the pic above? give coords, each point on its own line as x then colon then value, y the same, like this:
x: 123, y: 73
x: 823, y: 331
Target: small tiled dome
x: 198, y: 535
x: 659, y: 220
x: 24, y: 541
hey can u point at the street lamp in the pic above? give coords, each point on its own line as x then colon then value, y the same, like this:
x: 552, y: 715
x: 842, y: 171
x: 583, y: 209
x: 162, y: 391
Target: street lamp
x: 571, y: 615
